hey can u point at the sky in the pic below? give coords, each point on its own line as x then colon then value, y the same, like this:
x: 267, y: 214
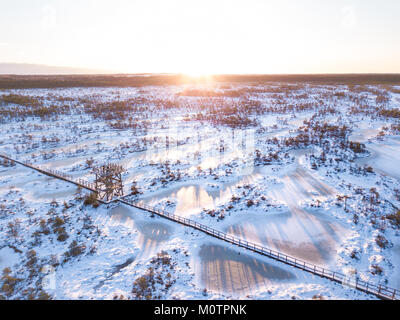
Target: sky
x: 204, y: 36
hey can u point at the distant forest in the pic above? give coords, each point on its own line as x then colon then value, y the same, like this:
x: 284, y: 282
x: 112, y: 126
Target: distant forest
x: 139, y: 80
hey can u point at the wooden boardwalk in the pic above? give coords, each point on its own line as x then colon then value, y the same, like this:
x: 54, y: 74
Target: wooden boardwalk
x: 55, y: 174
x: 379, y: 290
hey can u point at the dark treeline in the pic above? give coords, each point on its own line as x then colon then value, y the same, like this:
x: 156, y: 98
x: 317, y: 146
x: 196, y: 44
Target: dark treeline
x: 60, y: 81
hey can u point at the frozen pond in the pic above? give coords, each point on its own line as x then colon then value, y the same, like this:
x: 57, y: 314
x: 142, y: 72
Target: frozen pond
x: 384, y: 158
x: 299, y: 185
x: 310, y: 236
x: 23, y: 178
x: 396, y: 251
x: 64, y: 163
x: 12, y: 172
x: 225, y: 270
x: 40, y: 187
x: 8, y: 257
x: 364, y: 133
x: 307, y: 234
x: 152, y: 233
x: 192, y: 198
x: 62, y: 194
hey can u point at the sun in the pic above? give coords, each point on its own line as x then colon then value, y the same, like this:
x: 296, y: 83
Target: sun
x: 198, y: 73
x: 200, y: 78
x: 198, y: 66
x: 194, y: 74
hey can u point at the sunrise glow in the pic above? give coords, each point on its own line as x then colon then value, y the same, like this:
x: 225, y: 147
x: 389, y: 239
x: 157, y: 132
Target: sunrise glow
x: 204, y: 37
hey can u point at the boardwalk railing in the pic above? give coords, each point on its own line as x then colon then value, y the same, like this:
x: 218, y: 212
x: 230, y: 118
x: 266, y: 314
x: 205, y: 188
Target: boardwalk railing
x: 55, y: 173
x: 379, y: 290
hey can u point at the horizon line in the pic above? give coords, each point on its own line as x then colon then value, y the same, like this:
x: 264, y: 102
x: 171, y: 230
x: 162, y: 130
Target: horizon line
x: 95, y: 71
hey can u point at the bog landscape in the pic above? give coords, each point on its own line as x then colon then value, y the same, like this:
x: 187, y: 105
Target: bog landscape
x: 162, y: 186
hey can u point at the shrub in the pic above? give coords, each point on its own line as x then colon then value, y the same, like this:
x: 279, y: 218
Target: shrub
x: 394, y: 218
x: 9, y: 282
x: 91, y: 199
x: 354, y: 254
x: 75, y: 249
x: 32, y: 259
x: 381, y: 241
x: 44, y: 295
x: 89, y: 162
x: 62, y: 237
x: 357, y: 147
x: 376, y: 270
x: 250, y: 203
x: 141, y: 288
x: 78, y: 194
x: 54, y: 203
x: 14, y: 228
x: 43, y: 227
x: 134, y: 189
x: 58, y: 222
x: 369, y: 169
x: 164, y: 258
x: 66, y: 205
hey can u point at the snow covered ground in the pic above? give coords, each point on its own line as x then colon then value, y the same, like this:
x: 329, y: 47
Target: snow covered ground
x: 263, y: 182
